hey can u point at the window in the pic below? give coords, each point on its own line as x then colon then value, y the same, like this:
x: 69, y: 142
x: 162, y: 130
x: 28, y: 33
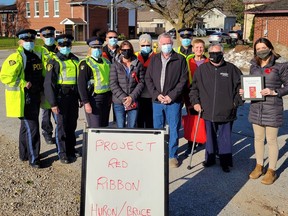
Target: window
x: 4, y: 18
x: 46, y: 8
x: 56, y: 8
x: 159, y: 25
x: 28, y: 12
x: 36, y: 7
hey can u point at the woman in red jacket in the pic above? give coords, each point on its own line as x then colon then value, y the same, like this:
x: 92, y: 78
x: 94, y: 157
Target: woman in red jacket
x: 193, y: 63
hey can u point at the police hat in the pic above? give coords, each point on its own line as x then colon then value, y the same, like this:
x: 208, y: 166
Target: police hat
x: 64, y: 39
x: 95, y: 42
x: 26, y: 34
x: 185, y: 32
x: 47, y: 31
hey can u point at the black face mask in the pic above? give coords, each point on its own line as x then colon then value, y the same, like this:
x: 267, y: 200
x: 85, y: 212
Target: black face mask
x: 215, y: 57
x: 127, y: 53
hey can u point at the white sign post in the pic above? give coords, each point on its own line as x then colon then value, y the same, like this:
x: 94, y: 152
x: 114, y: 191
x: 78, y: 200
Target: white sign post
x: 124, y: 173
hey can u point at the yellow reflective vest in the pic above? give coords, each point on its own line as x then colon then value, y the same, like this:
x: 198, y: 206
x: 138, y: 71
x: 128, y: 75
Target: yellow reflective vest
x: 12, y: 75
x: 101, y: 73
x: 68, y: 71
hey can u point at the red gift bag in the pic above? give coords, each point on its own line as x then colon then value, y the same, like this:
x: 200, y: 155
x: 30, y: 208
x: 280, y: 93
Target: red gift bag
x: 189, y: 124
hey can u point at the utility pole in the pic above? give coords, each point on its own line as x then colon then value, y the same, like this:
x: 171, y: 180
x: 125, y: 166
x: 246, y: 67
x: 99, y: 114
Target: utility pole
x: 112, y: 18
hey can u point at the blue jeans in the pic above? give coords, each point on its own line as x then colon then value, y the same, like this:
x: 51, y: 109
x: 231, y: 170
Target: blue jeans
x: 172, y: 112
x: 120, y: 114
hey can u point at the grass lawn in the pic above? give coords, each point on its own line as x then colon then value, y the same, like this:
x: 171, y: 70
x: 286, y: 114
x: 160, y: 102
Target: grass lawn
x: 12, y: 43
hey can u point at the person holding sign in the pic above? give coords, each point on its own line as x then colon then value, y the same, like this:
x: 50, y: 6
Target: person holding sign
x: 93, y: 85
x: 126, y: 83
x: 266, y: 116
x: 166, y: 77
x: 215, y: 92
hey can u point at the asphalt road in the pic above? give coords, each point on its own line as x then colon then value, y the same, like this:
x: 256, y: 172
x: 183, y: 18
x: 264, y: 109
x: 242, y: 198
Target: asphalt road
x: 209, y: 191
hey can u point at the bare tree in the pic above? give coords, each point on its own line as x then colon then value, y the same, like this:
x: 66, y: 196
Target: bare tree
x: 180, y: 13
x: 22, y: 21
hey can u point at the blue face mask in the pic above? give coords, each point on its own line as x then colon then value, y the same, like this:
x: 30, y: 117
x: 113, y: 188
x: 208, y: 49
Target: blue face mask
x: 65, y: 50
x: 96, y: 53
x: 28, y: 46
x: 113, y: 41
x: 49, y: 41
x: 166, y: 49
x: 186, y: 42
x: 146, y: 50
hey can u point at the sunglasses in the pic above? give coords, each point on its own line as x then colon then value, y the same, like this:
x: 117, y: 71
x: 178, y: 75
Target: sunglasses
x: 123, y: 50
x: 145, y: 45
x: 112, y: 37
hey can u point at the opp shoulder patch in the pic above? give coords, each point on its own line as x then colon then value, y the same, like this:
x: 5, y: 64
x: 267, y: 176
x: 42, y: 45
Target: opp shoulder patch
x: 12, y: 62
x: 82, y: 67
x: 49, y: 67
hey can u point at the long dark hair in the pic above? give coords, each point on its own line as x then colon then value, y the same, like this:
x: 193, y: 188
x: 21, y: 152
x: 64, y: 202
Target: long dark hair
x: 269, y: 45
x: 126, y: 42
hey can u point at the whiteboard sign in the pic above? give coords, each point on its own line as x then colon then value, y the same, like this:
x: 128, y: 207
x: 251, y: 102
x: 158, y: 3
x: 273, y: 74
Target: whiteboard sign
x: 124, y: 173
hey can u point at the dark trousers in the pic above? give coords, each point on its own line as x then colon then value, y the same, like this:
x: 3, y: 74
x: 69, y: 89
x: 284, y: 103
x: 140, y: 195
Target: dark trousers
x: 66, y: 124
x: 29, y: 136
x: 145, y: 113
x: 219, y: 142
x: 101, y: 105
x: 46, y: 124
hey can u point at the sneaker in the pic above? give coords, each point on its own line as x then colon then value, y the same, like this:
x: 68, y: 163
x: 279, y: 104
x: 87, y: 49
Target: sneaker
x: 173, y: 163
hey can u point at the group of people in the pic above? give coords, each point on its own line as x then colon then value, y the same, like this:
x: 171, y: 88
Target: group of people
x: 146, y: 90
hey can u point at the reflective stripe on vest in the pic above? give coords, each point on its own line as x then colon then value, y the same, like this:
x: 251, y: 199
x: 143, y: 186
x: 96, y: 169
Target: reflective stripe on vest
x: 99, y: 87
x: 67, y: 73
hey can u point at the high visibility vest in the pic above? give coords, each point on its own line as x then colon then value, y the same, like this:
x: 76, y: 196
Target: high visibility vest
x: 178, y: 50
x: 13, y: 76
x: 68, y: 71
x: 101, y: 74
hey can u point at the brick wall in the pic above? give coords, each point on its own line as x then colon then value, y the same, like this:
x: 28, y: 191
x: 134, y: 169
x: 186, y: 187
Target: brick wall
x: 277, y: 27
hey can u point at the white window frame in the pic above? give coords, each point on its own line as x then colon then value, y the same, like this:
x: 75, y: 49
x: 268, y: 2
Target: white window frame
x: 46, y: 8
x: 36, y: 12
x: 56, y: 11
x: 28, y: 11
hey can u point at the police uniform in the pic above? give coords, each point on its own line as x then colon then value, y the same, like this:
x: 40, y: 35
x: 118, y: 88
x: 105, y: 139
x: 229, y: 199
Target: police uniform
x: 48, y: 33
x: 185, y: 33
x: 22, y: 73
x: 93, y: 85
x: 60, y: 87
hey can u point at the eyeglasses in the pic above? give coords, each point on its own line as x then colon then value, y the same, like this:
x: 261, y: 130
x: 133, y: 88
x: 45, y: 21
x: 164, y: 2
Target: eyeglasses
x: 112, y: 37
x: 145, y: 45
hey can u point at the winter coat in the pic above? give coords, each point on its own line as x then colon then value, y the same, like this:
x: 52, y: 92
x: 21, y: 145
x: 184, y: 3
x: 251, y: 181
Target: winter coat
x: 216, y: 89
x: 176, y: 76
x: 122, y: 85
x: 270, y: 111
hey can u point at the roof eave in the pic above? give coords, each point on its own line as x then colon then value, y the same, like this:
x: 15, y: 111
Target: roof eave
x: 266, y: 12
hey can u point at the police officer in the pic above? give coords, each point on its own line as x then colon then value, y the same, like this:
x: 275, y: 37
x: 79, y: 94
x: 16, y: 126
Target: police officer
x: 22, y: 74
x: 60, y: 87
x: 186, y: 35
x: 93, y: 85
x: 47, y: 34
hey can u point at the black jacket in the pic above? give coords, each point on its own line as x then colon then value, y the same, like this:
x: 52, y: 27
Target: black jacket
x: 176, y: 75
x: 216, y: 89
x: 123, y: 86
x: 270, y: 111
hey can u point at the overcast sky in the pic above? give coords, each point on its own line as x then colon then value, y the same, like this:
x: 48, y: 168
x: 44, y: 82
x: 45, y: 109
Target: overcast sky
x: 7, y: 2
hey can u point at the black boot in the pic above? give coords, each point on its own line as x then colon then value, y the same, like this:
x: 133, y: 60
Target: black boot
x: 210, y: 160
x: 226, y: 161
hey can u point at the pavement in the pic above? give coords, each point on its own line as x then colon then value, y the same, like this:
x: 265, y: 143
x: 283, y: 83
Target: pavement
x: 209, y: 191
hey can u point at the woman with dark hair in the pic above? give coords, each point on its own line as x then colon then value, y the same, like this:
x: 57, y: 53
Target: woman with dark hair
x: 267, y: 116
x: 126, y: 83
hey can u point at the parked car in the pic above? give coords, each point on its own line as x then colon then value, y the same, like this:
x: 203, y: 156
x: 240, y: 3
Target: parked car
x: 172, y: 32
x: 210, y: 31
x: 219, y: 37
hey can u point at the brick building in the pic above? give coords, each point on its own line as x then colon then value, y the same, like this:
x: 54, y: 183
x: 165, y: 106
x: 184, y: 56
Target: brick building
x: 82, y: 19
x: 271, y: 21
